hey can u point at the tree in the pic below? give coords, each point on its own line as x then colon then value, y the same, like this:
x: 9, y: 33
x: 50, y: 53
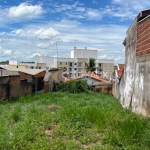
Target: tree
x: 91, y: 65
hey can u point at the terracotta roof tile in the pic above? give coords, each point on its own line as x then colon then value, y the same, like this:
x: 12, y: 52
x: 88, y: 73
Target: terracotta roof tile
x: 94, y: 76
x: 120, y: 70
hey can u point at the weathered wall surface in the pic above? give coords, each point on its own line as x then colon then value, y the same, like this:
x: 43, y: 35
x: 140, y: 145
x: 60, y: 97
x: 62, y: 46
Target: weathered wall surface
x: 4, y: 91
x: 133, y: 89
x: 102, y: 87
x: 130, y: 66
x: 119, y: 88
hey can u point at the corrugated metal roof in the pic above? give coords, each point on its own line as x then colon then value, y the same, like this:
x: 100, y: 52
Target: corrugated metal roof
x: 27, y: 71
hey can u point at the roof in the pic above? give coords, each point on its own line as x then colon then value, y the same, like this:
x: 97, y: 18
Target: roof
x: 120, y: 70
x: 94, y: 76
x: 143, y: 14
x: 120, y: 66
x: 27, y: 71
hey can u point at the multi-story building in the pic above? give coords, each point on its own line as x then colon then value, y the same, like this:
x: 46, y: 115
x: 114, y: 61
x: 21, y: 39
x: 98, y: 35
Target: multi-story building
x: 105, y: 67
x: 75, y: 66
x: 84, y: 53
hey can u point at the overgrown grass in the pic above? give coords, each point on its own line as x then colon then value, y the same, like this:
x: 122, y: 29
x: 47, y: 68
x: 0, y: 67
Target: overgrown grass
x: 64, y: 121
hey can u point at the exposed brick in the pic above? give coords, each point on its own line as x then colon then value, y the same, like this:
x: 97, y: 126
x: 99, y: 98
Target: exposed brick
x: 143, y: 38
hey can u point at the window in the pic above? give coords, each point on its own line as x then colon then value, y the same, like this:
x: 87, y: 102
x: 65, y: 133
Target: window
x: 75, y: 64
x: 79, y: 69
x: 79, y: 64
x: 100, y: 65
x: 39, y: 67
x: 70, y: 64
x: 70, y: 69
x: 66, y: 63
x: 60, y: 63
x: 75, y: 68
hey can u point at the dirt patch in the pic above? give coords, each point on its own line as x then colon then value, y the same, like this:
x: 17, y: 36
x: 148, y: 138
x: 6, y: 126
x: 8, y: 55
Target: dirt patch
x: 53, y: 107
x: 90, y: 145
x: 49, y: 131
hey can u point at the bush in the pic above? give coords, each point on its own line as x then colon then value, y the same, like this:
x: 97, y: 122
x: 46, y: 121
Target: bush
x: 74, y: 86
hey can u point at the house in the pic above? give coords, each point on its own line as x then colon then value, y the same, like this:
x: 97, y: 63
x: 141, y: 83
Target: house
x: 97, y: 83
x: 51, y: 78
x: 134, y: 86
x: 10, y: 85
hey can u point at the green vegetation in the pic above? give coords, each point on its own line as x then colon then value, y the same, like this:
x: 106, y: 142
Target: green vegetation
x: 65, y: 121
x: 4, y: 62
x: 115, y: 68
x: 74, y: 86
x: 91, y: 65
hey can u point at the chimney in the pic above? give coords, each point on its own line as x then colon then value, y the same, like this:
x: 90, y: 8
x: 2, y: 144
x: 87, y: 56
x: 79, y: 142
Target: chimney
x: 74, y: 47
x: 85, y: 48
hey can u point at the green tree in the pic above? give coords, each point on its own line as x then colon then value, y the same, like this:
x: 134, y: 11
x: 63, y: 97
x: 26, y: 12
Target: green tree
x: 91, y: 65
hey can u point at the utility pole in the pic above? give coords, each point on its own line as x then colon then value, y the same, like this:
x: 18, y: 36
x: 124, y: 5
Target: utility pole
x: 1, y: 76
x: 57, y: 55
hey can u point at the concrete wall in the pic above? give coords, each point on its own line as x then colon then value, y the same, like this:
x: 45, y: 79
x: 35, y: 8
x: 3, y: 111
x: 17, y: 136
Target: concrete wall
x: 133, y: 89
x: 105, y: 88
x: 45, y: 59
x: 84, y: 53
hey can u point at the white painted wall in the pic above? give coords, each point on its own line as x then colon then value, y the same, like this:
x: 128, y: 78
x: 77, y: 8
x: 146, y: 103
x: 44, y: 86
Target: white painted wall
x: 84, y: 53
x: 105, y: 61
x: 45, y: 59
x: 14, y: 62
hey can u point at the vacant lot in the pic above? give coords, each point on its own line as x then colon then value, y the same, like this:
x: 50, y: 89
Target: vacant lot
x: 63, y: 121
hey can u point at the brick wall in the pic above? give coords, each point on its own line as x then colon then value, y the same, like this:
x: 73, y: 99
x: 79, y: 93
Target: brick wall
x: 143, y: 38
x: 4, y: 91
x: 15, y: 88
x: 20, y: 89
x: 25, y: 76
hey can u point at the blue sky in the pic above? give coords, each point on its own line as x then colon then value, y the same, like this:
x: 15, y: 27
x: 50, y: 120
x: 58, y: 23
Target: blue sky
x: 29, y: 28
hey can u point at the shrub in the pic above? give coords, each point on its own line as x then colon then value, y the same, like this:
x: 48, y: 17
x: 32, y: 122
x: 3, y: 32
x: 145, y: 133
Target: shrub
x: 74, y: 86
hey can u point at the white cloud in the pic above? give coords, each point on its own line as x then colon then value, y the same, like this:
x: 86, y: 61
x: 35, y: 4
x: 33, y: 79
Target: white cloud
x: 46, y: 33
x: 43, y: 45
x: 94, y: 14
x: 5, y: 52
x: 25, y: 11
x: 22, y: 12
x: 42, y: 33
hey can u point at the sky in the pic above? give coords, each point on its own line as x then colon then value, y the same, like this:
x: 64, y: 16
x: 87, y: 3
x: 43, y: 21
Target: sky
x: 32, y: 27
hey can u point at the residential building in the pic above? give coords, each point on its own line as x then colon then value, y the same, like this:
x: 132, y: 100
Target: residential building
x: 24, y: 65
x: 84, y: 53
x: 75, y: 66
x: 43, y: 62
x: 105, y: 67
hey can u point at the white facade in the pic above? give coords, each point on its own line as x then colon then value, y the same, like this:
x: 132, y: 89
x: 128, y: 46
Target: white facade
x: 75, y: 66
x: 14, y: 62
x: 45, y: 59
x: 84, y: 53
